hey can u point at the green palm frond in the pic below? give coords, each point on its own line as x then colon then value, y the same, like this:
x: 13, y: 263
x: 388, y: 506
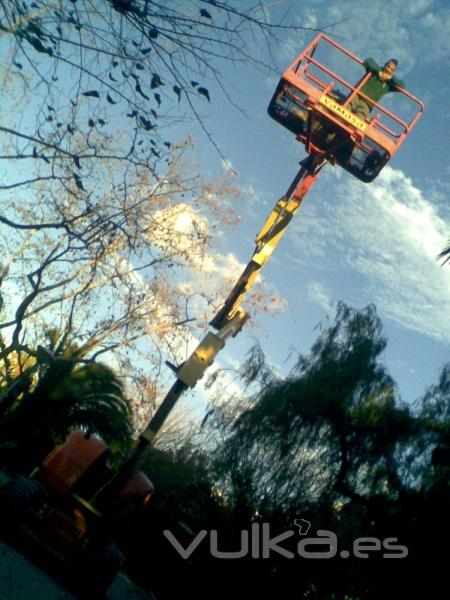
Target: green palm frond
x: 66, y: 395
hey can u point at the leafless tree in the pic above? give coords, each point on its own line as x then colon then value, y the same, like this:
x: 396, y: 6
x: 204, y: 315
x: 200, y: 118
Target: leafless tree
x: 102, y: 222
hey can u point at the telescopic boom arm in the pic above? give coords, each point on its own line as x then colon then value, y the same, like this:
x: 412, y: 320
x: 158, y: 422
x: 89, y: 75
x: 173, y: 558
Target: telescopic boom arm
x: 231, y: 317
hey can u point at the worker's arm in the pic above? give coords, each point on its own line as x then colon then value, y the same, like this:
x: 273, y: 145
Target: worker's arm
x: 372, y: 66
x: 397, y: 85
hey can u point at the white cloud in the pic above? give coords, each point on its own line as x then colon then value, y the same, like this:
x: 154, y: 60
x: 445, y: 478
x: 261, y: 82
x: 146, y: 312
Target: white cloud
x: 209, y: 276
x: 385, y: 236
x: 214, y: 272
x: 418, y: 28
x: 318, y: 294
x: 174, y: 229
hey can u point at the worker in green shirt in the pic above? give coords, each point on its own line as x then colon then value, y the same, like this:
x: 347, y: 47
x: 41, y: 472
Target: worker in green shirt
x: 381, y: 81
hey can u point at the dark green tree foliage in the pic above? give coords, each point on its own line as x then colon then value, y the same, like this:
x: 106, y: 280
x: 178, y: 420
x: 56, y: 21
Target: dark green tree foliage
x: 184, y: 502
x: 334, y: 424
x: 435, y: 412
x: 332, y: 444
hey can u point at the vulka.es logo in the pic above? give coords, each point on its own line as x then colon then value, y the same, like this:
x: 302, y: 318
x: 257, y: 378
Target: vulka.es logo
x: 303, y: 526
x: 258, y: 543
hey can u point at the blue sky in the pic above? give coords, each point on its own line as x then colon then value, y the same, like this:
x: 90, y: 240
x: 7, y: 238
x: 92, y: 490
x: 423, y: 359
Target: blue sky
x: 360, y: 243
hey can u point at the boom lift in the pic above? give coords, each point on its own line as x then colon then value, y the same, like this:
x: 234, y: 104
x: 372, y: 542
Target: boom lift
x: 79, y: 487
x: 309, y: 102
x: 305, y: 103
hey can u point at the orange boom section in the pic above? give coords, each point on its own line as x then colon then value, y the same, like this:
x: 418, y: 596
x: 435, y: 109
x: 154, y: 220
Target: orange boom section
x: 69, y: 461
x: 312, y: 100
